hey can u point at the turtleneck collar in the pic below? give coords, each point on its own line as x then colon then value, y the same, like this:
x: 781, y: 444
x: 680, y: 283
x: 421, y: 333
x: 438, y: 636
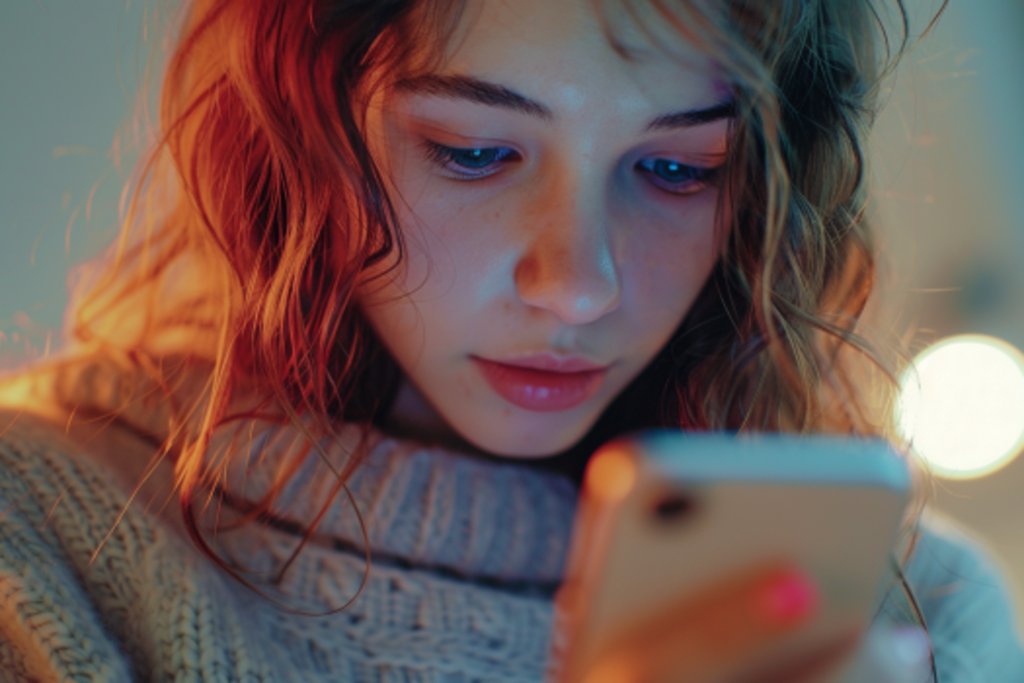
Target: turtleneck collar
x: 422, y: 506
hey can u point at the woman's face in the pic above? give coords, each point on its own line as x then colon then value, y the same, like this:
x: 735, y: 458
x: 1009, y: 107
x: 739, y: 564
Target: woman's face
x: 557, y: 201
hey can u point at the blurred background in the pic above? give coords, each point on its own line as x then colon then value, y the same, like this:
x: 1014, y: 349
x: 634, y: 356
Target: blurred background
x: 949, y: 185
x: 948, y: 182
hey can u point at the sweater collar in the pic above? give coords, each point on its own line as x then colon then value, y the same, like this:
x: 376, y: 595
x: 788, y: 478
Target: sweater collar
x: 422, y: 506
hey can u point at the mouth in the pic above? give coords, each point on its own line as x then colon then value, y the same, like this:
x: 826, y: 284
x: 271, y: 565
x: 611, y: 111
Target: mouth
x: 543, y: 382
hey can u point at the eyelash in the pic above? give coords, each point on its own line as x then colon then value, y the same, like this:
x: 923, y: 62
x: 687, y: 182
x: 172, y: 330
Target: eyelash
x: 446, y: 158
x: 694, y: 178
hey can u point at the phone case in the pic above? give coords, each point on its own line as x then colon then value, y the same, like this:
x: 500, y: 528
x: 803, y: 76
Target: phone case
x: 664, y: 513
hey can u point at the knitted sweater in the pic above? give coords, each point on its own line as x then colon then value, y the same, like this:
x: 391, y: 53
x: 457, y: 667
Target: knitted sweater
x: 466, y: 556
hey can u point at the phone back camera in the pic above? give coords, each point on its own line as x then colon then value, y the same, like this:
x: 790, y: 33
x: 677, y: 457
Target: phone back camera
x: 673, y: 507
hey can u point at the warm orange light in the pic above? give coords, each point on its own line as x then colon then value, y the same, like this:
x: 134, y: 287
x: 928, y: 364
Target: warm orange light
x: 612, y: 670
x: 610, y: 475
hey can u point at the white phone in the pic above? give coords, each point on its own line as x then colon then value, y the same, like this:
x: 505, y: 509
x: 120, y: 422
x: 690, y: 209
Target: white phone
x: 665, y: 513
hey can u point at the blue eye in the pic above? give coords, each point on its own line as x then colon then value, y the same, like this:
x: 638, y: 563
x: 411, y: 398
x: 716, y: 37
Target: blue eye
x: 467, y: 163
x: 675, y: 177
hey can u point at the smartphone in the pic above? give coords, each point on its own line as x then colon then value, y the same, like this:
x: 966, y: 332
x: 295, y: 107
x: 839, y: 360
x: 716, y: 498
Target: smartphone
x: 665, y: 513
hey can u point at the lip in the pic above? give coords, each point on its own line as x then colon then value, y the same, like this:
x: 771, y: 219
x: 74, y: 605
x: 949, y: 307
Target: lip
x: 551, y: 363
x: 542, y: 382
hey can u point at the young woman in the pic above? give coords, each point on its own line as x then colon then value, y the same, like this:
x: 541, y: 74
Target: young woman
x: 393, y: 270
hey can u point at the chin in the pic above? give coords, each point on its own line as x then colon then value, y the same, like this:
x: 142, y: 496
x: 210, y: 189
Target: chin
x: 512, y: 439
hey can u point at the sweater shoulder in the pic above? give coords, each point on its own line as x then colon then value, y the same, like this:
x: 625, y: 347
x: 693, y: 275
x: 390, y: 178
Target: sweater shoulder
x: 94, y: 585
x: 967, y: 605
x: 57, y: 510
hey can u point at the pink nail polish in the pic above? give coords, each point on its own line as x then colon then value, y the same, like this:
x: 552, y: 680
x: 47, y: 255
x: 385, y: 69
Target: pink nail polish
x: 788, y: 599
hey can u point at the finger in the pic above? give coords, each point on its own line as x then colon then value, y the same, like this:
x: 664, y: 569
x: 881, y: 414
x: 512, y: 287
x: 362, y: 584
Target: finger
x: 809, y: 666
x: 707, y: 632
x: 891, y: 654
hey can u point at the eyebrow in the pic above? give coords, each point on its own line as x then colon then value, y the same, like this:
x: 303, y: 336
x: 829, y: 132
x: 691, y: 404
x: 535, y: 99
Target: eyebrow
x: 458, y: 87
x: 694, y: 117
x: 475, y: 90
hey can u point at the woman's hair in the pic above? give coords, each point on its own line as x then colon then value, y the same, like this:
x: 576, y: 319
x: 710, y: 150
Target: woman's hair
x: 259, y: 209
x: 776, y: 343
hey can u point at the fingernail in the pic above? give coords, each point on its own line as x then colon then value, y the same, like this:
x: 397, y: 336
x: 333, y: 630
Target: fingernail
x: 787, y: 599
x: 910, y: 645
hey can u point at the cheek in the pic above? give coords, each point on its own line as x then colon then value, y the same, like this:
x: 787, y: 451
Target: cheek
x: 425, y: 309
x: 670, y: 256
x: 462, y: 245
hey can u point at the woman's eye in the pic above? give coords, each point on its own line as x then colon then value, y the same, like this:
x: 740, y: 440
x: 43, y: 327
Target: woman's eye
x: 675, y: 177
x: 467, y: 163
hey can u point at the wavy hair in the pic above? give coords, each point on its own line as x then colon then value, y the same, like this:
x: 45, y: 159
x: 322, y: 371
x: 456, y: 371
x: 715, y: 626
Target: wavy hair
x: 777, y: 347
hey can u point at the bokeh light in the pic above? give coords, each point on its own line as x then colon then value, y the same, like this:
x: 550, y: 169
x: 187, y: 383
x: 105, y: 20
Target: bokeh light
x: 962, y: 405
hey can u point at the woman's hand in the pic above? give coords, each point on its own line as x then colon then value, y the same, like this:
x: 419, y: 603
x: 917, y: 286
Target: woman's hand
x: 892, y: 654
x: 702, y: 639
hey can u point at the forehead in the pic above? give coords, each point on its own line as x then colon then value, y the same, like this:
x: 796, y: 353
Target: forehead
x: 576, y: 54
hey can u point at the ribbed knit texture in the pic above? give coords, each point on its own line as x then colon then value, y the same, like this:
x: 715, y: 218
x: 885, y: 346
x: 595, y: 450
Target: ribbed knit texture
x: 467, y: 553
x: 472, y: 552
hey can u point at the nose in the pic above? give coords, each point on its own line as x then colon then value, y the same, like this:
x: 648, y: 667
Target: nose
x: 569, y: 266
